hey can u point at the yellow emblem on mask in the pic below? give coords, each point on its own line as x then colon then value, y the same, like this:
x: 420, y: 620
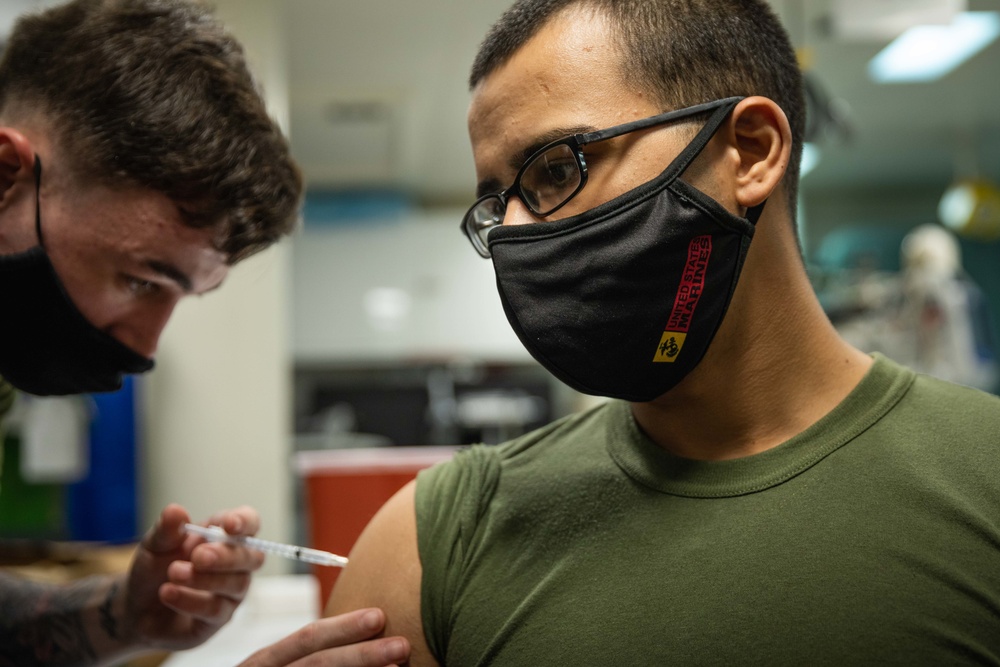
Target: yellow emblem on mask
x: 669, y: 347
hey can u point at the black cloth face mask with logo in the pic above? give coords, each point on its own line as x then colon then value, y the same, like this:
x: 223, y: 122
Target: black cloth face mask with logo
x: 624, y: 299
x: 47, y: 347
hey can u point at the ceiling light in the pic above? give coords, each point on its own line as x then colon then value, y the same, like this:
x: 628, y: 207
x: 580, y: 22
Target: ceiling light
x: 928, y: 52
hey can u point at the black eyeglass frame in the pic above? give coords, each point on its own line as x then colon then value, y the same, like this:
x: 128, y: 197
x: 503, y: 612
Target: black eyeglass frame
x: 576, y: 143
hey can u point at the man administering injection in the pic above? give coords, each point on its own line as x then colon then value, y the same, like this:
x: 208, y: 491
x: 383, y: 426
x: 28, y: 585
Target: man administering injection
x: 137, y: 165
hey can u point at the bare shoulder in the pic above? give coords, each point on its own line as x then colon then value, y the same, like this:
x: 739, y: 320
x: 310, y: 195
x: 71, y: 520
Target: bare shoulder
x: 384, y: 571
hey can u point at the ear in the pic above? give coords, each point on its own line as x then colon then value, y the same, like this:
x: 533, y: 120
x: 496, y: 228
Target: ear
x: 17, y: 161
x: 763, y: 138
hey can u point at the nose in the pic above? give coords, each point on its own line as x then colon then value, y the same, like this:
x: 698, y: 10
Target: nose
x: 140, y: 330
x: 517, y: 213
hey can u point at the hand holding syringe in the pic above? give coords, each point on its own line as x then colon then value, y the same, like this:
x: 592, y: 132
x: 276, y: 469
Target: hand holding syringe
x: 304, y: 554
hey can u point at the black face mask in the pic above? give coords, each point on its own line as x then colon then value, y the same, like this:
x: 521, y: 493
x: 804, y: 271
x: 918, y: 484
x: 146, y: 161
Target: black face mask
x: 623, y: 300
x: 47, y: 347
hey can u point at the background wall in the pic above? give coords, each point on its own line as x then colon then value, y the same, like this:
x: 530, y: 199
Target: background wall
x: 217, y: 409
x: 409, y: 288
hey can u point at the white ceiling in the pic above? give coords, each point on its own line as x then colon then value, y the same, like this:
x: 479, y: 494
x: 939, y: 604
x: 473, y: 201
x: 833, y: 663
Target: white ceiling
x: 410, y: 57
x: 398, y: 68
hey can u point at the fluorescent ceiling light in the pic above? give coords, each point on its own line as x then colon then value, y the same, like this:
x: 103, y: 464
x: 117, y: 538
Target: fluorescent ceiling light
x: 928, y: 52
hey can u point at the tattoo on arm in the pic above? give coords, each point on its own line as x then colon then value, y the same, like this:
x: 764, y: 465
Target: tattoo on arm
x: 108, y: 621
x: 43, y: 624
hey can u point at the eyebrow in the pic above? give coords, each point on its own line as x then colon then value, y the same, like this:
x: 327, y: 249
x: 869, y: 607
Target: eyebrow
x: 172, y: 272
x: 517, y: 160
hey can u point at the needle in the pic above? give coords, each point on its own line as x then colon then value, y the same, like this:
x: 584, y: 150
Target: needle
x: 304, y: 554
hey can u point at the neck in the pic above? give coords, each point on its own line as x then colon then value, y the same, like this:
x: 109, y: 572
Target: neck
x: 775, y: 367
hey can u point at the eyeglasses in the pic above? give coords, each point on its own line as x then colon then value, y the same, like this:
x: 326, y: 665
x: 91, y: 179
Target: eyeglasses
x: 556, y: 173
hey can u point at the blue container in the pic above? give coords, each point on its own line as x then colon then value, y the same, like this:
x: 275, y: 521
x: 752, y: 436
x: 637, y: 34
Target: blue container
x: 104, y: 506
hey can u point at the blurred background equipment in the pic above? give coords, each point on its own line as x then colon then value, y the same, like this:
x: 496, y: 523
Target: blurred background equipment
x: 929, y: 315
x: 971, y: 208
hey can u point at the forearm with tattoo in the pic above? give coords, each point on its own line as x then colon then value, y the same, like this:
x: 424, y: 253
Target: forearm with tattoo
x: 42, y: 624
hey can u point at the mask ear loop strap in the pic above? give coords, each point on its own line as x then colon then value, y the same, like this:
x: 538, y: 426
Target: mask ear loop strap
x: 753, y: 213
x: 698, y: 144
x: 705, y: 134
x: 38, y: 205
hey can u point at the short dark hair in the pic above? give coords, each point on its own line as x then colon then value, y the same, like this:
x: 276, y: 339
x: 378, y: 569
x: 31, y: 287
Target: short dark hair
x: 157, y: 94
x: 682, y: 51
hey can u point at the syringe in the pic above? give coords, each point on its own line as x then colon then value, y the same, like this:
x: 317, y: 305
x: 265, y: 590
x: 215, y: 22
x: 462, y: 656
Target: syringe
x: 314, y: 556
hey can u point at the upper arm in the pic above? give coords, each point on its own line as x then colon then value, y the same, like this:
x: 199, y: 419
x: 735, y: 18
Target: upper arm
x: 384, y: 571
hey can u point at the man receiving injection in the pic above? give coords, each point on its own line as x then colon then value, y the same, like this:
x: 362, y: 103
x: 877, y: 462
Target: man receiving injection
x: 137, y: 164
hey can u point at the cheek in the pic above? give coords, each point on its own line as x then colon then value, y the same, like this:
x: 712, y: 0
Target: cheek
x: 713, y: 184
x: 639, y: 160
x: 604, y: 184
x: 139, y: 327
x: 709, y: 174
x: 88, y: 281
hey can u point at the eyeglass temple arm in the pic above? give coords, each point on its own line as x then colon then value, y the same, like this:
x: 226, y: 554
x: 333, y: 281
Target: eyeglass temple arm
x: 659, y: 119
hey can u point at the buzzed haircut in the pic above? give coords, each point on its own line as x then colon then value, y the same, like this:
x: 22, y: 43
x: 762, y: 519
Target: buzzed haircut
x: 157, y: 94
x: 683, y: 52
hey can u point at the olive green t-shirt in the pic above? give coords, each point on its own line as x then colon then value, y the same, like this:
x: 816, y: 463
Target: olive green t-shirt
x: 871, y: 538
